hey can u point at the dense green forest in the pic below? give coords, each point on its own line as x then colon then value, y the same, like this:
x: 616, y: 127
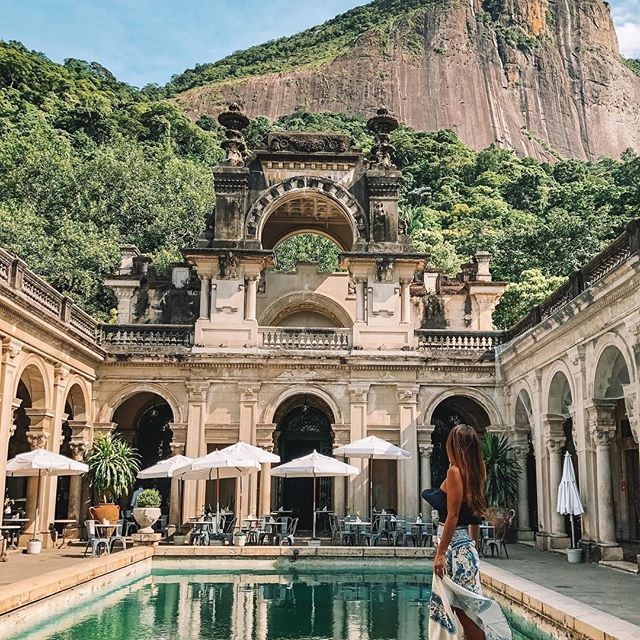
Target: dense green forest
x: 88, y: 163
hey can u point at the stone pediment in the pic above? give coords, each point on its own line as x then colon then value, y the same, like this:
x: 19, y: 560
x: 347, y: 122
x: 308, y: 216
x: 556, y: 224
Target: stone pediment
x: 303, y: 142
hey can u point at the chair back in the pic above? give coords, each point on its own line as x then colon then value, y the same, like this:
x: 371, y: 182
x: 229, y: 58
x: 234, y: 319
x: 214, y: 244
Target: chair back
x: 292, y: 526
x: 118, y: 533
x: 230, y: 525
x: 90, y: 526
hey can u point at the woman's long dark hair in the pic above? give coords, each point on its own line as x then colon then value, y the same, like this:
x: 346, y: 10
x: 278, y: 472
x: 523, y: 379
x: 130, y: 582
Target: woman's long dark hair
x: 463, y: 449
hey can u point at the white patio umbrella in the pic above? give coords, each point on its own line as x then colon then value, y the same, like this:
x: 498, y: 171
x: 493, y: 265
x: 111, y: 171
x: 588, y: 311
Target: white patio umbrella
x: 218, y: 465
x: 39, y: 463
x: 372, y: 448
x: 569, y: 502
x: 168, y: 469
x: 315, y: 466
x: 248, y: 451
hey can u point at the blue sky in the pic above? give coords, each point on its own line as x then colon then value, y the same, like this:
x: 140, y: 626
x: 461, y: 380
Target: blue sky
x: 143, y: 41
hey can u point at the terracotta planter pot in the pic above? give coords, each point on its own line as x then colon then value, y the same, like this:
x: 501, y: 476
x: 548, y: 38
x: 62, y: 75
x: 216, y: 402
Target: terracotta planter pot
x: 102, y: 512
x: 146, y: 517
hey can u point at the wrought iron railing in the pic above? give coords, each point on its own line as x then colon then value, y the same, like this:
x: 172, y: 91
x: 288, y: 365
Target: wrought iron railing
x: 305, y: 339
x: 131, y: 336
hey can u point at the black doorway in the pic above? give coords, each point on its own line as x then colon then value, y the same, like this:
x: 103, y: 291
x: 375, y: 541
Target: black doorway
x: 303, y: 430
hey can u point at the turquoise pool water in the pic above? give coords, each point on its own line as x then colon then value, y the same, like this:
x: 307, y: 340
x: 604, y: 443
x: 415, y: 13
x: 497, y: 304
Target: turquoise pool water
x: 342, y: 605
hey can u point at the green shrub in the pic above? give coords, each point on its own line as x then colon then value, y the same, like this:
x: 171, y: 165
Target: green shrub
x: 149, y: 499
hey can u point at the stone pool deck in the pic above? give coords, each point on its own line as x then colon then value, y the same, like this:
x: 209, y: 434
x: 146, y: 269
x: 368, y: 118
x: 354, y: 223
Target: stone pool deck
x: 587, y: 601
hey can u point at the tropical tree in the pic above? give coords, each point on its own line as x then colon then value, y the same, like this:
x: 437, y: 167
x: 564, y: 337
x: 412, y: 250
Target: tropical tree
x: 503, y: 471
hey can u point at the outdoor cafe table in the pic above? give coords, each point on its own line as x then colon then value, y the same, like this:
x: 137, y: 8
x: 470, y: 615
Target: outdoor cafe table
x: 14, y: 531
x: 13, y: 522
x: 274, y: 528
x: 359, y: 525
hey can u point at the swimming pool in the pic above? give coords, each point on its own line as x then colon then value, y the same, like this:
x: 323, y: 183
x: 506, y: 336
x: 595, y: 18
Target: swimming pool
x: 292, y: 605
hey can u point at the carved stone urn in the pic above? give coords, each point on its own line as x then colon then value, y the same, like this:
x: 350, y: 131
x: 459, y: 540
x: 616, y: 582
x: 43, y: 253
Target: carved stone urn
x: 146, y: 517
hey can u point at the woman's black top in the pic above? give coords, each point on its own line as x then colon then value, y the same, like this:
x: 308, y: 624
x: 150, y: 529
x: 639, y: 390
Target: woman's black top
x: 437, y: 498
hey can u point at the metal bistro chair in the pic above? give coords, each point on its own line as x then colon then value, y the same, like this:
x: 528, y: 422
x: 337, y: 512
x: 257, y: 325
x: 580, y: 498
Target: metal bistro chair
x: 258, y: 534
x: 289, y: 534
x: 346, y: 535
x: 119, y: 535
x: 94, y: 540
x: 377, y: 531
x: 496, y: 542
x: 427, y: 533
x: 201, y: 533
x: 226, y: 531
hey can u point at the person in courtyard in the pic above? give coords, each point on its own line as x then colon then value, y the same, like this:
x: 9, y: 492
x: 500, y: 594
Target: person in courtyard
x: 460, y: 503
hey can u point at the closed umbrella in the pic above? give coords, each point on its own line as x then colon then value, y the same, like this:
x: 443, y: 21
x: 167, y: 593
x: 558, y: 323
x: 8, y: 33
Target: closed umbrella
x: 168, y: 469
x: 217, y: 466
x: 569, y: 502
x: 372, y: 448
x: 314, y: 465
x: 39, y: 463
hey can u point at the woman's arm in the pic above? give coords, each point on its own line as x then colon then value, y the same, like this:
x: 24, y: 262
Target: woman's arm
x: 454, y: 501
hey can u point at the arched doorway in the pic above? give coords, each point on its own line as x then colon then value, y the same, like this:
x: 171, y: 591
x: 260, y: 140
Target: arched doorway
x: 560, y: 403
x: 16, y: 487
x: 144, y: 421
x: 303, y: 426
x: 611, y: 379
x: 454, y: 410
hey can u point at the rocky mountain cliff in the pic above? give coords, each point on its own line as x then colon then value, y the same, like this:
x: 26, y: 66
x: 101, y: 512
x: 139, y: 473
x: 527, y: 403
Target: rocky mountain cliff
x: 542, y: 76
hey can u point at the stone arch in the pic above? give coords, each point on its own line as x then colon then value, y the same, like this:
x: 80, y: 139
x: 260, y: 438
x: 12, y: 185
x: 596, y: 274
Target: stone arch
x: 78, y: 396
x: 33, y: 374
x: 301, y: 390
x: 130, y: 390
x: 559, y: 390
x: 311, y: 186
x: 523, y: 409
x: 613, y: 368
x: 481, y: 398
x: 306, y: 300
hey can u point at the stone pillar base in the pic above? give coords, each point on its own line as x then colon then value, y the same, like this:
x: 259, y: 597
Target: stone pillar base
x: 559, y: 542
x: 525, y: 535
x: 542, y: 541
x: 610, y: 552
x: 146, y: 539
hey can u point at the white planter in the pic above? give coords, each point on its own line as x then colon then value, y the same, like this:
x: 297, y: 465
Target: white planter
x: 146, y: 517
x: 34, y: 546
x: 240, y: 541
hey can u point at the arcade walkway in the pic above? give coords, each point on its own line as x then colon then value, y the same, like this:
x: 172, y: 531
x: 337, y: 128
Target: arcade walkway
x: 609, y: 590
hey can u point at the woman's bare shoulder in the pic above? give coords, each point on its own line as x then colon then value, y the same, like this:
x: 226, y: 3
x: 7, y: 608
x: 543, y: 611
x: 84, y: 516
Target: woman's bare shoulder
x: 453, y: 474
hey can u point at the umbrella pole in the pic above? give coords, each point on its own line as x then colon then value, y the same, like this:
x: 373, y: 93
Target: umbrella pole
x: 370, y: 491
x: 314, y: 506
x: 217, y: 493
x: 36, y: 522
x: 573, y: 533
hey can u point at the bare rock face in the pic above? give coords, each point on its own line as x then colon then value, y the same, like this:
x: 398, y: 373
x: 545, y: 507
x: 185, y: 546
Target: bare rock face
x: 544, y: 77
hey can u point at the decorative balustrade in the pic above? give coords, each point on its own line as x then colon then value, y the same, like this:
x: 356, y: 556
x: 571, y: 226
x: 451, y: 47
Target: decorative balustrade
x: 22, y: 282
x: 132, y: 336
x: 458, y: 342
x: 305, y: 339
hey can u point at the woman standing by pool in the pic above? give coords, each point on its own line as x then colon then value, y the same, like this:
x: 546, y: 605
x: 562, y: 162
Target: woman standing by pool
x: 460, y: 503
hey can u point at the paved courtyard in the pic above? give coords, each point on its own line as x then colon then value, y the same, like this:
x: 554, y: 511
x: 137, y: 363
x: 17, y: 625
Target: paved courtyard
x: 20, y: 566
x: 603, y: 588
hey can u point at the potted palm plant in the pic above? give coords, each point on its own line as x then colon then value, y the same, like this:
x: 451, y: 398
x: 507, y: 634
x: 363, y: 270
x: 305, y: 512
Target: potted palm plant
x: 503, y: 471
x: 113, y: 467
x: 147, y: 510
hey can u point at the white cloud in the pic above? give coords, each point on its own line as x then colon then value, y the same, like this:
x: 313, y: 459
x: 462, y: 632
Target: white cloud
x: 629, y: 36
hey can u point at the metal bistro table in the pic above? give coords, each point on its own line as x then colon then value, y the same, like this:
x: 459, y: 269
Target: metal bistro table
x: 14, y: 531
x: 12, y: 523
x: 359, y: 525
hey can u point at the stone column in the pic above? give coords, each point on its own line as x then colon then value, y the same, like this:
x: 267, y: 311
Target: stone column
x: 37, y: 438
x: 79, y: 450
x: 265, y: 489
x: 358, y: 491
x: 554, y: 447
x: 124, y: 294
x: 602, y: 426
x: 196, y: 446
x: 178, y: 446
x: 360, y: 310
x: 408, y: 493
x: 426, y: 451
x: 11, y: 349
x: 521, y: 452
x: 205, y: 292
x: 405, y: 297
x: 248, y: 434
x: 252, y: 296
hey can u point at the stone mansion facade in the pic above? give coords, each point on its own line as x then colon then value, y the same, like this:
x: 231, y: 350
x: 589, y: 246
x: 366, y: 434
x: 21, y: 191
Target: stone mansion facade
x: 228, y: 348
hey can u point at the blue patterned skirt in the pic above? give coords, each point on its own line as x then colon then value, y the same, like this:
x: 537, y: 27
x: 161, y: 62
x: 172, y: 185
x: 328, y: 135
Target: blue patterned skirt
x: 461, y: 589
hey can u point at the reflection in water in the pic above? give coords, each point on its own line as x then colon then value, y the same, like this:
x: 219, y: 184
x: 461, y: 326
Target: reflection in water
x: 255, y: 607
